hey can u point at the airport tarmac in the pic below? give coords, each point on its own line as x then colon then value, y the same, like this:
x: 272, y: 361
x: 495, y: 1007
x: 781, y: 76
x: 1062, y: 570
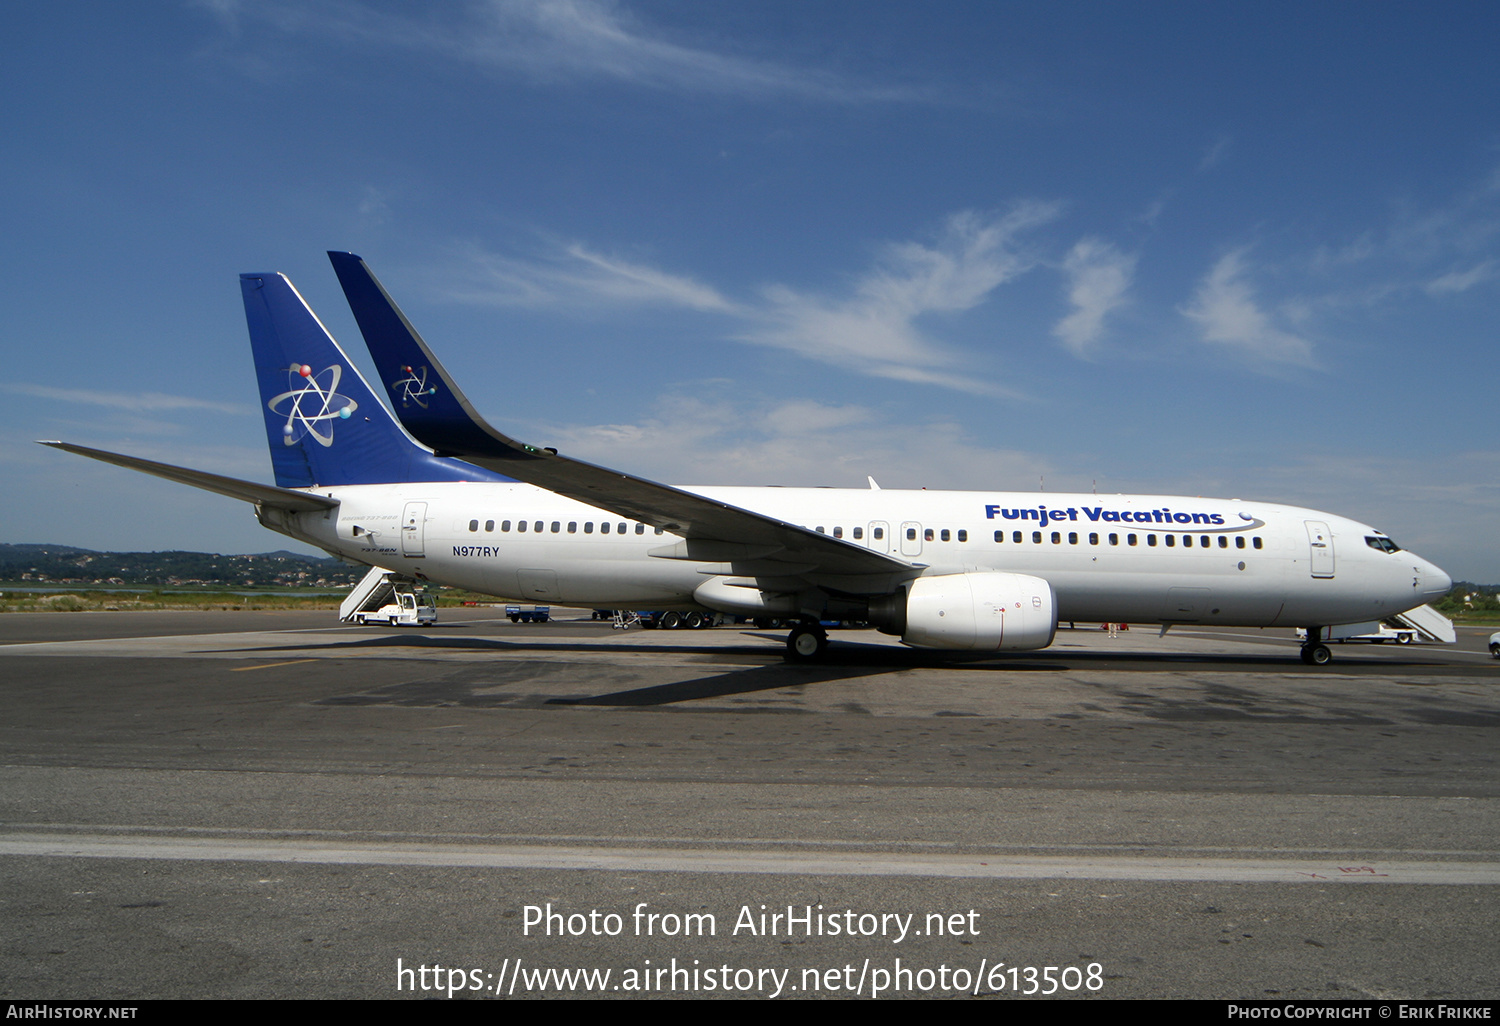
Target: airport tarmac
x: 270, y: 804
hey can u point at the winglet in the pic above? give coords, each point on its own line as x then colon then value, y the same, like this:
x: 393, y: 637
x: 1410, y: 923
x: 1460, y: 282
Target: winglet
x: 426, y: 400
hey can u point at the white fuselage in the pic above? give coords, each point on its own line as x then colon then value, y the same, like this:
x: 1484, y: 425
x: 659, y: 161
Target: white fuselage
x: 1122, y: 558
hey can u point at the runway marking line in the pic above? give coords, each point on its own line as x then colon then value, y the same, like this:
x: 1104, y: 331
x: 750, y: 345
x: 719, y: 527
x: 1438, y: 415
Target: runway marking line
x: 742, y: 861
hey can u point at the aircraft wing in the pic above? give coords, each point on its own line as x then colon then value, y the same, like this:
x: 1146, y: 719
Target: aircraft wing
x: 433, y: 408
x: 248, y: 491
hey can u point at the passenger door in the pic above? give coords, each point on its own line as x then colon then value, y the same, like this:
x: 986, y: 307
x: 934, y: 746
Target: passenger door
x: 1320, y: 544
x: 413, y: 528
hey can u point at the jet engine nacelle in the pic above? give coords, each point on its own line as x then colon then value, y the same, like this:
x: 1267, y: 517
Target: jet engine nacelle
x: 981, y: 612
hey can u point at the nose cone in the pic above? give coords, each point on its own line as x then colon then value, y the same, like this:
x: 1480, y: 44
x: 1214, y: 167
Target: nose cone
x: 1432, y: 582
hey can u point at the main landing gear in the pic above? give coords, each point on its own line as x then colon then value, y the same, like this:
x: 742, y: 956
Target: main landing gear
x: 1314, y: 652
x: 806, y: 643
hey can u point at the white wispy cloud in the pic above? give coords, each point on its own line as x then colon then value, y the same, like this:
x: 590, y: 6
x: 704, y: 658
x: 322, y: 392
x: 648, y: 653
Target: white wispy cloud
x: 1227, y: 314
x: 1461, y: 281
x: 875, y: 331
x: 1215, y: 152
x: 134, y: 402
x: 732, y: 439
x: 1099, y: 275
x: 573, y: 274
x: 562, y: 41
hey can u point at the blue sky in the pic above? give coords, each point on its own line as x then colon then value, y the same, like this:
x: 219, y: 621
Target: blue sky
x: 1209, y: 249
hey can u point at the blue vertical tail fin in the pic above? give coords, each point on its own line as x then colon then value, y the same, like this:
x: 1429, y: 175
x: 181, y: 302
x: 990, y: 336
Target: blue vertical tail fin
x: 323, y: 422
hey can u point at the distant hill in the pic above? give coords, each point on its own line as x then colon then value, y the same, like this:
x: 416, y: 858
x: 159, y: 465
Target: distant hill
x: 68, y: 564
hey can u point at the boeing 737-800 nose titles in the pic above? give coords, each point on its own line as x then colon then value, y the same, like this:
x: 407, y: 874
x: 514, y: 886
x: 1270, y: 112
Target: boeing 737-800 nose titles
x: 439, y: 494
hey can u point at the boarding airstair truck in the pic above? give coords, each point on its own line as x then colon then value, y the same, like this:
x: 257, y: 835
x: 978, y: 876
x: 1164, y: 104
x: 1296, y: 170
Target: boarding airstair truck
x: 389, y: 598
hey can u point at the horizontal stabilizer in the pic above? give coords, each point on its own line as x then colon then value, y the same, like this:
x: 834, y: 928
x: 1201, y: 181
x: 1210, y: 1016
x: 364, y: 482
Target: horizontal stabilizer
x: 247, y: 491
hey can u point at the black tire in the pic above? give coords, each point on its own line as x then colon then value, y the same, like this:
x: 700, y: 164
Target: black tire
x: 670, y: 621
x: 805, y: 644
x: 1403, y: 639
x: 692, y: 621
x: 1495, y: 650
x: 1316, y: 655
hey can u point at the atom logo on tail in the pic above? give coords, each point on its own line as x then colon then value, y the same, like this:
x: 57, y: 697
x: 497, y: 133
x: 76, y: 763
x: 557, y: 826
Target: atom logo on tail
x: 330, y: 405
x: 413, y: 387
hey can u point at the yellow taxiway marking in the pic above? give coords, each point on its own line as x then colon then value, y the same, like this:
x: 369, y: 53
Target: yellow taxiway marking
x: 267, y: 666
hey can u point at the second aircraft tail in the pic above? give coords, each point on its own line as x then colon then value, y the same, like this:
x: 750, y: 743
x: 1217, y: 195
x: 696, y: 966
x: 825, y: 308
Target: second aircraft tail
x: 323, y: 422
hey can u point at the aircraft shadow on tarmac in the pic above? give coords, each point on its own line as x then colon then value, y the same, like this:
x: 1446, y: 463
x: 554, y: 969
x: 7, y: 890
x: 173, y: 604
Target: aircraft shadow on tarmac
x: 756, y: 667
x: 851, y: 654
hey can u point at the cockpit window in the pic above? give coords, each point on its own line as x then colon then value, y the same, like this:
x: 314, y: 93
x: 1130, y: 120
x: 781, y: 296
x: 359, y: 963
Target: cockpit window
x: 1383, y: 544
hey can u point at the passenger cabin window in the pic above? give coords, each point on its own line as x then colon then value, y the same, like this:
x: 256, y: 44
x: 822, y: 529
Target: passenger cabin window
x: 877, y: 533
x: 1150, y: 540
x: 1255, y: 542
x: 838, y: 532
x: 945, y: 535
x: 603, y: 528
x: 1056, y: 537
x: 1239, y: 541
x: 1016, y: 537
x: 1036, y: 537
x: 505, y: 525
x: 1093, y: 538
x: 927, y: 534
x: 537, y: 526
x: 556, y: 526
x: 473, y: 525
x: 1171, y: 540
x: 1223, y: 542
x: 911, y: 534
x: 1072, y: 537
x: 640, y: 528
x: 489, y: 525
x: 859, y: 532
x: 588, y: 527
x: 521, y: 527
x: 999, y: 537
x: 963, y: 536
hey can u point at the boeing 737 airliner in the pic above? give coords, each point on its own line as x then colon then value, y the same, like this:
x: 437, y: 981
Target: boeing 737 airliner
x: 456, y: 502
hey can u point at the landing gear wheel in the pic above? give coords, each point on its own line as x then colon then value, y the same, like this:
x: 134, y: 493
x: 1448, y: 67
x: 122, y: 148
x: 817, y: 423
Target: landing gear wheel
x: 806, y: 644
x: 1316, y: 655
